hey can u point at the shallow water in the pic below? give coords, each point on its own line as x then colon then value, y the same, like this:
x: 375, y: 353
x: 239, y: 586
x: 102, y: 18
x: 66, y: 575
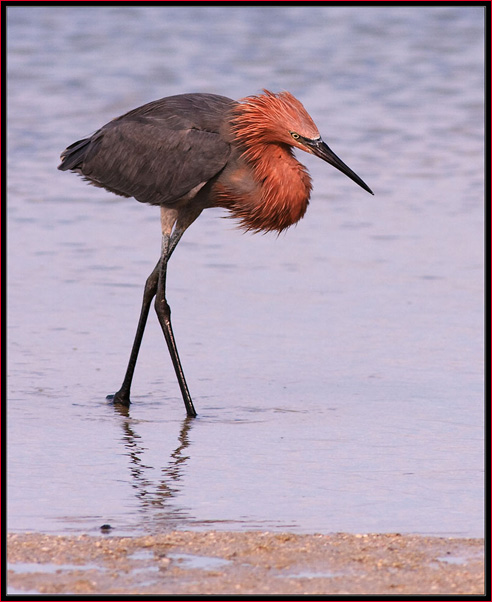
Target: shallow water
x: 338, y: 369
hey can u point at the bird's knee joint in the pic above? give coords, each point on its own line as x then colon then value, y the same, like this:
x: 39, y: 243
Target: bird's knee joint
x: 162, y: 307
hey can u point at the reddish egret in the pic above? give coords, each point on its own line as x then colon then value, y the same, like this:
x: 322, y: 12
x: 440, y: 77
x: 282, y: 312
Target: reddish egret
x: 192, y: 151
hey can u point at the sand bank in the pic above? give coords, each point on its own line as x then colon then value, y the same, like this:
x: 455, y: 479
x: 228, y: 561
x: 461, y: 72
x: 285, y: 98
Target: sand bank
x: 244, y: 563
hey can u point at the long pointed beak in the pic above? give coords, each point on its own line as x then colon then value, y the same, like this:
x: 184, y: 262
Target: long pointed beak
x: 323, y: 151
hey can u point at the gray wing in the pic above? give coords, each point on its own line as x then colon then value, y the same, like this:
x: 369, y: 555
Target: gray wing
x: 154, y: 153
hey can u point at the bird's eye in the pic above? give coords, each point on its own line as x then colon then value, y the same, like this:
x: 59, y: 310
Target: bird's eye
x: 295, y: 135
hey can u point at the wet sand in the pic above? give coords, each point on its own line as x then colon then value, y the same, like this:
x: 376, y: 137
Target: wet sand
x: 184, y: 562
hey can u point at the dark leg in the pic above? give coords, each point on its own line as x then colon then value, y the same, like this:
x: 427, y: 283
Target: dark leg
x: 123, y: 395
x: 164, y: 315
x: 155, y: 286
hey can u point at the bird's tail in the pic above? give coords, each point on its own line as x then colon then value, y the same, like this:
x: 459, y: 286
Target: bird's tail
x: 73, y: 156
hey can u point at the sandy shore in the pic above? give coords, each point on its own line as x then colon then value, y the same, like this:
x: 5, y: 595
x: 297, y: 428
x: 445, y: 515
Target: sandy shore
x: 244, y: 563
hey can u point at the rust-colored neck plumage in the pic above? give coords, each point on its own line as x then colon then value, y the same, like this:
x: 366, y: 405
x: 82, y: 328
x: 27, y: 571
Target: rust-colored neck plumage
x: 278, y: 195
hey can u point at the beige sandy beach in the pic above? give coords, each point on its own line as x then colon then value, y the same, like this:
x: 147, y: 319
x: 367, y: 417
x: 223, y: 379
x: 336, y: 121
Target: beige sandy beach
x: 245, y: 563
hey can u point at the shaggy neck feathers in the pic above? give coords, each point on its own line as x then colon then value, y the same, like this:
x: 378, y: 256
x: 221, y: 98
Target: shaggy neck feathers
x: 261, y: 128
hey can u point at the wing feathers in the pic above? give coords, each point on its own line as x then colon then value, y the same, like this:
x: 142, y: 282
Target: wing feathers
x: 155, y: 153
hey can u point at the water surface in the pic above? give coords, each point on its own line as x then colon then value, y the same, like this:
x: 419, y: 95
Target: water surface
x: 337, y: 369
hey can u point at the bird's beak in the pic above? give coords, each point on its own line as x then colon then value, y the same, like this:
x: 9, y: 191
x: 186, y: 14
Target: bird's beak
x: 323, y: 151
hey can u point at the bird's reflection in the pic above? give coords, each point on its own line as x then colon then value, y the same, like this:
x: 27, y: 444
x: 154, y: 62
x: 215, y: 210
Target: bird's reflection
x: 152, y: 495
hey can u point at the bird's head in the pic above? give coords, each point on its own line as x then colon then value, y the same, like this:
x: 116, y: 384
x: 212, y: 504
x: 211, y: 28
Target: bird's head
x: 281, y: 118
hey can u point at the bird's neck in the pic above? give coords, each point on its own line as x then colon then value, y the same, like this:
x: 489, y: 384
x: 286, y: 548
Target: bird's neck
x: 286, y: 185
x: 280, y: 190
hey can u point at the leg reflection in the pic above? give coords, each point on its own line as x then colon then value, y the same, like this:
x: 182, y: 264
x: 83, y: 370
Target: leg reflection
x: 156, y: 494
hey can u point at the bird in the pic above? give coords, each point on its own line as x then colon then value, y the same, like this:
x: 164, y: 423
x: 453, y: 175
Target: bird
x: 189, y: 152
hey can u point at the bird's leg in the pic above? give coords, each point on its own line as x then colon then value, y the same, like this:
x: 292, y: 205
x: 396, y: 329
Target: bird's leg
x: 163, y: 311
x: 123, y: 395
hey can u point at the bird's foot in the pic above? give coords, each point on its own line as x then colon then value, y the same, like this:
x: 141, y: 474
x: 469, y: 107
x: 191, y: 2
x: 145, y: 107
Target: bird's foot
x: 119, y: 398
x: 190, y: 411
